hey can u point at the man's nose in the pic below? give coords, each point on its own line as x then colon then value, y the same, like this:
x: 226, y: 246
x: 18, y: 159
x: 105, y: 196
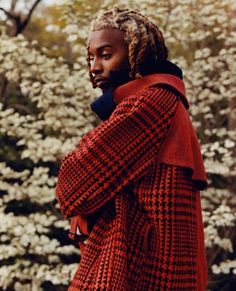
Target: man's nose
x: 95, y: 66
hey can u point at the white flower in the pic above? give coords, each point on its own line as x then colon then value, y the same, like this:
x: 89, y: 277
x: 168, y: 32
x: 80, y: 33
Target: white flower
x: 229, y: 143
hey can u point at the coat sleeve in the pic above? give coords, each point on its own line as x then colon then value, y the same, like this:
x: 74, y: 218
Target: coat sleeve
x: 115, y: 153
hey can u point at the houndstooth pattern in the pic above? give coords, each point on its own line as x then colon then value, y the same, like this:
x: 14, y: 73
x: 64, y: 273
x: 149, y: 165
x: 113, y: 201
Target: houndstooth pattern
x: 150, y: 234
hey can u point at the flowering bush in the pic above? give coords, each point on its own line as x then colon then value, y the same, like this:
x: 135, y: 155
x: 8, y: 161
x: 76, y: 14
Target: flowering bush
x: 59, y: 114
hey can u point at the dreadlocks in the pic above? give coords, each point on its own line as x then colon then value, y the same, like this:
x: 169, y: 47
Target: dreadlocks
x: 144, y: 39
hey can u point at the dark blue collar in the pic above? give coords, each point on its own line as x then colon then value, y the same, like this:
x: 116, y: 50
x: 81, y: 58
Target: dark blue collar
x: 104, y: 105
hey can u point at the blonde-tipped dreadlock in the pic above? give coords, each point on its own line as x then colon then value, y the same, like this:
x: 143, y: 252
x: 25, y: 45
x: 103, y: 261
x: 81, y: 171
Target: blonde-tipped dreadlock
x: 144, y: 39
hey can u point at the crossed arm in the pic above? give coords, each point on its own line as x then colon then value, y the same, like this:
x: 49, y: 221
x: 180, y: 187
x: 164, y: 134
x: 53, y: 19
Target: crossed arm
x: 116, y: 152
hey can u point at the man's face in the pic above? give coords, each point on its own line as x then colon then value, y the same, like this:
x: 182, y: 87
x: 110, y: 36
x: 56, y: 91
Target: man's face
x: 107, y: 51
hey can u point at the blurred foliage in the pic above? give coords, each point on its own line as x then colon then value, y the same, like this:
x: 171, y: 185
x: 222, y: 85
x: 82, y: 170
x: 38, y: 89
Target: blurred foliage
x: 46, y: 28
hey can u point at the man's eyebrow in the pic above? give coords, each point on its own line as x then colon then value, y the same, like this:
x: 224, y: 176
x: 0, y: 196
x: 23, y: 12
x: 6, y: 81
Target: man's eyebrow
x: 102, y: 47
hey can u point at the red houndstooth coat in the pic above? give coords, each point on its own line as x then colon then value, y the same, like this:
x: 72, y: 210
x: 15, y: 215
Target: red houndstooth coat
x: 141, y: 170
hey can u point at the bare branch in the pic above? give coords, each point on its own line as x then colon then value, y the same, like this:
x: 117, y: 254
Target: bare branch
x: 8, y: 14
x: 22, y: 108
x: 13, y: 5
x: 20, y: 24
x: 25, y: 22
x: 4, y: 91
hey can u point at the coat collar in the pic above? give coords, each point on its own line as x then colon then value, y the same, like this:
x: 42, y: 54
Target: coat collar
x: 105, y: 104
x: 136, y: 85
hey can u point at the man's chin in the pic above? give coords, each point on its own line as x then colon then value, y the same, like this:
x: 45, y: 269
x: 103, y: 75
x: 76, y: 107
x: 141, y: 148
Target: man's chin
x: 105, y: 88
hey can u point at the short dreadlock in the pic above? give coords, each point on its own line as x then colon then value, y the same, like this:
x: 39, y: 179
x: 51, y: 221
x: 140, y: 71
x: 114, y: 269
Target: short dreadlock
x: 145, y: 41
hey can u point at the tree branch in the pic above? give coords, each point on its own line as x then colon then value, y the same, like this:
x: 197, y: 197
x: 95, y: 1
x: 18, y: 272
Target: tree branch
x: 8, y: 14
x: 13, y: 5
x: 4, y: 91
x: 19, y: 23
x: 25, y: 22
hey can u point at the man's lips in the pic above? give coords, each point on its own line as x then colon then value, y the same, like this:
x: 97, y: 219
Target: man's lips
x: 101, y: 82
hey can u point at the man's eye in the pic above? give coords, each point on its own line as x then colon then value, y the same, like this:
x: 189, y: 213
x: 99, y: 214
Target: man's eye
x: 106, y: 56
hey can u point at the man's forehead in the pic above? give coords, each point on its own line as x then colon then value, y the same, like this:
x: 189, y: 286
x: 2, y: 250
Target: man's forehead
x: 105, y: 37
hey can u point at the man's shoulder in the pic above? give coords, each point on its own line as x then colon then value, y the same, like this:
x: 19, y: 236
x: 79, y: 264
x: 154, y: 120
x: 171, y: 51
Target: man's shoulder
x: 150, y: 84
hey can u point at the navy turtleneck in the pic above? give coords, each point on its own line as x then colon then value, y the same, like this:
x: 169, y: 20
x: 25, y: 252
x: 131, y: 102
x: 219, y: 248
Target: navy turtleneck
x: 104, y: 105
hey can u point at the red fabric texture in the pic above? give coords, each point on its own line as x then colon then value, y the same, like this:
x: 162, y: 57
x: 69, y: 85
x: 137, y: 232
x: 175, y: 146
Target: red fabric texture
x: 139, y: 84
x: 149, y: 234
x: 181, y: 146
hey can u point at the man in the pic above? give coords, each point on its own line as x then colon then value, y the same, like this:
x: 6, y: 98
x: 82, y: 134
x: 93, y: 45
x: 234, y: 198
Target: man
x: 132, y: 183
